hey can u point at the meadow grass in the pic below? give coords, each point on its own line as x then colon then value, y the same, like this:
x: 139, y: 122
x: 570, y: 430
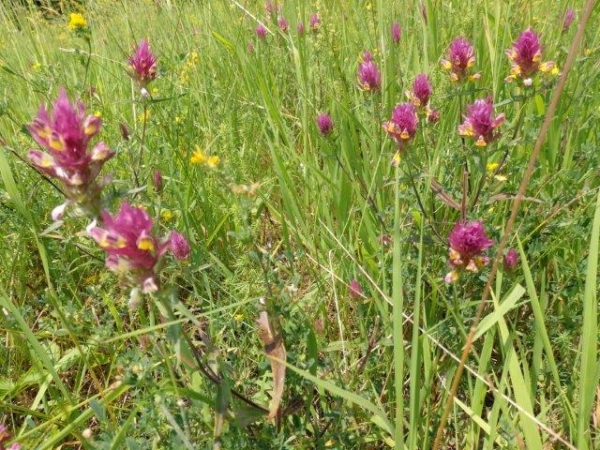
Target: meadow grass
x: 344, y: 251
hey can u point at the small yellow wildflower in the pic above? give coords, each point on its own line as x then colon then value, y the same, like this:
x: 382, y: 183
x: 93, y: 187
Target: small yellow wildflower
x: 491, y: 170
x: 155, y: 91
x: 36, y: 66
x: 198, y: 157
x: 167, y: 215
x: 76, y: 22
x: 491, y: 167
x: 143, y: 117
x: 213, y: 161
x: 238, y: 317
x: 98, y: 113
x: 555, y: 72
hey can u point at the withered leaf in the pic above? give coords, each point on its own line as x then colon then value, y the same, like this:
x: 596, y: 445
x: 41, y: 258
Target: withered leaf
x: 275, y: 351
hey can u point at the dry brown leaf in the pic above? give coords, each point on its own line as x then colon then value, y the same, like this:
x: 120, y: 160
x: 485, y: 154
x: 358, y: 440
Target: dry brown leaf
x: 275, y: 351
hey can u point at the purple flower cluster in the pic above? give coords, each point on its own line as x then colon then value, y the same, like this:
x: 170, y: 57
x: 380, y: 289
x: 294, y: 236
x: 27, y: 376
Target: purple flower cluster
x: 461, y: 58
x: 325, y: 124
x: 315, y: 22
x: 261, y: 31
x: 396, y: 32
x: 369, y: 78
x: 131, y: 248
x: 526, y: 57
x: 480, y: 123
x: 5, y: 436
x: 467, y: 242
x: 402, y: 127
x: 511, y: 260
x: 143, y: 64
x: 65, y: 133
x: 283, y: 24
x: 568, y: 19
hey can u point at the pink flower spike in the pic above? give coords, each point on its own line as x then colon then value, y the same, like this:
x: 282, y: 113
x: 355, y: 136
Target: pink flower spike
x: 65, y: 133
x: 433, y: 115
x: 315, y: 22
x: 131, y: 249
x: 480, y: 123
x: 355, y: 290
x: 261, y: 31
x: 467, y: 242
x: 300, y: 28
x: 283, y: 24
x: 568, y: 19
x: 143, y: 64
x: 325, y: 124
x: 511, y: 260
x: 369, y: 77
x: 157, y: 180
x: 402, y: 127
x: 396, y: 32
x: 421, y: 90
x: 461, y: 58
x: 271, y: 8
x: 179, y: 246
x: 526, y: 58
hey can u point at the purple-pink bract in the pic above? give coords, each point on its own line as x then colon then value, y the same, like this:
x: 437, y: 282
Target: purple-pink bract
x: 422, y: 89
x: 480, y: 123
x: 403, y: 124
x: 325, y: 124
x: 65, y: 134
x: 143, y: 64
x: 369, y: 77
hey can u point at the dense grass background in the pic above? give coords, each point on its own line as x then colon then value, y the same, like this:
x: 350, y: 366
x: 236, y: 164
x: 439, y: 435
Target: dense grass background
x: 81, y: 369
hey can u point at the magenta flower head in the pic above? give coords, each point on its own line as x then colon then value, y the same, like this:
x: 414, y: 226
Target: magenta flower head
x: 467, y: 242
x: 433, y: 115
x: 271, y: 8
x: 511, y: 260
x: 300, y: 28
x: 396, y: 32
x: 480, y: 123
x: 526, y: 57
x: 461, y: 58
x: 283, y: 24
x: 261, y: 31
x: 403, y: 124
x: 65, y: 134
x: 143, y: 64
x: 355, y: 291
x: 369, y: 77
x: 132, y: 251
x: 157, y: 180
x: 421, y: 90
x: 4, y: 436
x: 568, y: 19
x: 325, y: 124
x: 315, y: 22
x: 179, y: 246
